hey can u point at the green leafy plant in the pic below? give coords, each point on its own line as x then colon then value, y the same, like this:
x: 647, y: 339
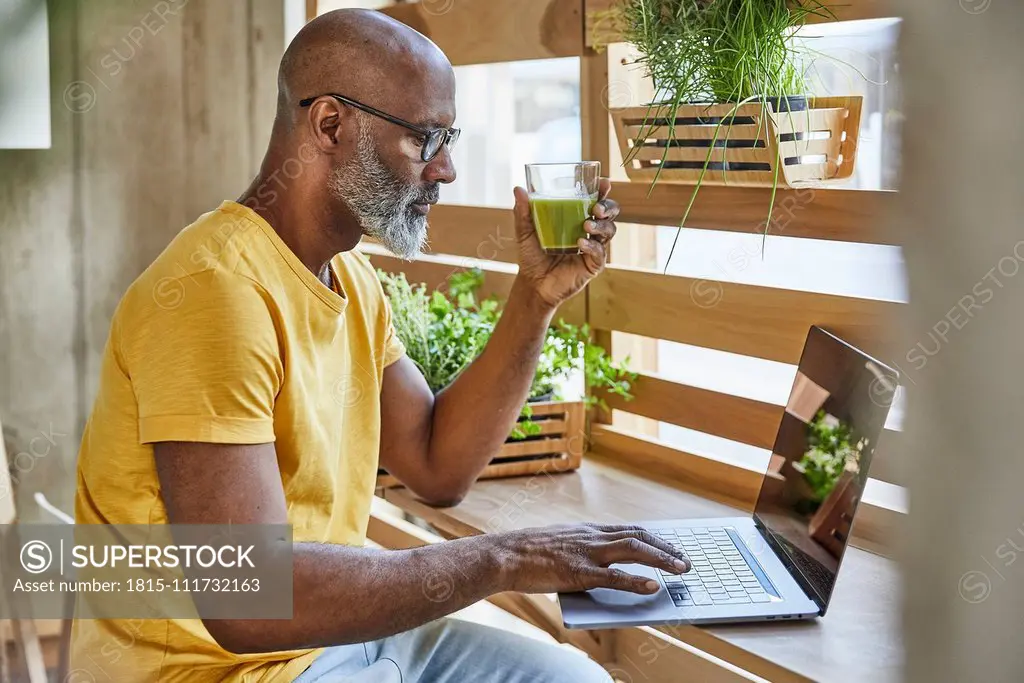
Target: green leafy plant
x: 716, y: 51
x: 443, y: 333
x: 831, y: 451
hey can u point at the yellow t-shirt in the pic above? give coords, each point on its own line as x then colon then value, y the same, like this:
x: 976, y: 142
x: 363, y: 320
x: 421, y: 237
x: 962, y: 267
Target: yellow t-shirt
x: 228, y: 338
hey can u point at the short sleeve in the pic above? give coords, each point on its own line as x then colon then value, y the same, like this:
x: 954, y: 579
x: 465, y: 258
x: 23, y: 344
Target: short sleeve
x: 204, y: 364
x: 393, y: 346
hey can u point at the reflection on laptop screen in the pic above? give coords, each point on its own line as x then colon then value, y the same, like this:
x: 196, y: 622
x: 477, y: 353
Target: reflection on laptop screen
x: 819, y: 465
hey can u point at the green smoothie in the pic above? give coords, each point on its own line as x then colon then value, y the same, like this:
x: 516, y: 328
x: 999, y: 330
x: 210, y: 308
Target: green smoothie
x: 559, y: 221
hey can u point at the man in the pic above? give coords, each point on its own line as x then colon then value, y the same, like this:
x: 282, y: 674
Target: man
x: 252, y: 376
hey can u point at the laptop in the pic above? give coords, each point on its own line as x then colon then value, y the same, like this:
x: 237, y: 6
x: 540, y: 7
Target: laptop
x: 781, y: 562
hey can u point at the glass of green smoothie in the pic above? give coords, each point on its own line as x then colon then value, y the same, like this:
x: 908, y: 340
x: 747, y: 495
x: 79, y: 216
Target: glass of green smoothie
x: 562, y: 197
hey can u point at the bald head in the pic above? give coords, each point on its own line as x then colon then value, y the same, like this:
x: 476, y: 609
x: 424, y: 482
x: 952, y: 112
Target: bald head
x: 373, y: 161
x: 364, y: 55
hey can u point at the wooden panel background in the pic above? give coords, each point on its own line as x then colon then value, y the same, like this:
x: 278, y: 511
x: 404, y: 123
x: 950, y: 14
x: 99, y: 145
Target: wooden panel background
x: 473, y: 231
x: 731, y: 417
x: 843, y: 215
x: 489, y: 31
x: 756, y: 321
x: 435, y: 274
x: 762, y: 322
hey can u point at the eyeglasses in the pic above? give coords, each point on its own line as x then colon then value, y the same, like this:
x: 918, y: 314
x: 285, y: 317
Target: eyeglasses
x: 433, y: 139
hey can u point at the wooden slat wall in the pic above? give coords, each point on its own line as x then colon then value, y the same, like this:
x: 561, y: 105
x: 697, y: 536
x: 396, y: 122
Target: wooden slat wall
x: 763, y: 322
x: 875, y: 529
x: 435, y: 274
x: 473, y: 231
x: 719, y: 480
x: 731, y: 417
x: 595, y: 145
x: 844, y: 215
x: 755, y: 321
x: 488, y: 31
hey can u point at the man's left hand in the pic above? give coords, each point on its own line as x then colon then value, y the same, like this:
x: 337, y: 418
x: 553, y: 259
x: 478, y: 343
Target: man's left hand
x: 557, y: 277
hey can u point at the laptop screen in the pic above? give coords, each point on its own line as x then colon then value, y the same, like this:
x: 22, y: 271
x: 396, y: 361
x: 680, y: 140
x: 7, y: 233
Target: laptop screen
x: 819, y: 464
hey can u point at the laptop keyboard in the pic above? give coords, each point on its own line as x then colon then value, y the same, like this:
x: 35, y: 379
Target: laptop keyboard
x: 720, y: 575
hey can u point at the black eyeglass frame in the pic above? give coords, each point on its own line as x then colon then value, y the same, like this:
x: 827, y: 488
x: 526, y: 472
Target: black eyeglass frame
x: 450, y: 135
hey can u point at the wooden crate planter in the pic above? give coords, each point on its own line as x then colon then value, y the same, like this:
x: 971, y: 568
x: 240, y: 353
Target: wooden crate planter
x: 817, y: 145
x: 558, y: 447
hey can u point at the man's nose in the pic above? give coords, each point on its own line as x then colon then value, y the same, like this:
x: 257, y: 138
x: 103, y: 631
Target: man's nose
x: 440, y: 169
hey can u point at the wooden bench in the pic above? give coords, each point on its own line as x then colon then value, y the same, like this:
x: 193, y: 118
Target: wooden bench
x: 859, y: 638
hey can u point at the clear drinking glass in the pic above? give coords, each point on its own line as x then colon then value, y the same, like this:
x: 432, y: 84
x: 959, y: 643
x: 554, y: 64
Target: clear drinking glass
x: 562, y: 197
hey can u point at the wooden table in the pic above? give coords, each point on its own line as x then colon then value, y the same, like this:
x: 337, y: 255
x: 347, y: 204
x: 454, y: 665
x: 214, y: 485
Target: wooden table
x: 858, y: 640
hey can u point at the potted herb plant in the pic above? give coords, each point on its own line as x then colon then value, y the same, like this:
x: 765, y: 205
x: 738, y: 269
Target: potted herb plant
x: 443, y: 332
x: 730, y: 103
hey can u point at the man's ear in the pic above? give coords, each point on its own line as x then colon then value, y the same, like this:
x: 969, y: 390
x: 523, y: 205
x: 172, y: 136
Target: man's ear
x: 328, y: 122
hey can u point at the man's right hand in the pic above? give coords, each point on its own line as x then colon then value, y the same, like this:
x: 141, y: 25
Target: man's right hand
x: 576, y: 557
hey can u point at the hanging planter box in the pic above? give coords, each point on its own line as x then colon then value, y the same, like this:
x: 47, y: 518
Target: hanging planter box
x: 557, y: 448
x: 817, y: 143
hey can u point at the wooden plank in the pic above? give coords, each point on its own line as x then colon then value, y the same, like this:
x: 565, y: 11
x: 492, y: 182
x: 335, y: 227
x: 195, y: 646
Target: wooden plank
x: 473, y: 231
x: 435, y: 274
x: 736, y: 418
x: 744, y: 131
x: 712, y: 178
x: 717, y: 480
x: 595, y: 122
x: 600, y: 31
x: 486, y: 32
x: 755, y: 321
x: 844, y: 215
x: 595, y: 138
x: 516, y: 449
x: 551, y: 426
x: 731, y: 417
x: 561, y: 451
x: 634, y: 248
x: 731, y: 154
x: 637, y: 657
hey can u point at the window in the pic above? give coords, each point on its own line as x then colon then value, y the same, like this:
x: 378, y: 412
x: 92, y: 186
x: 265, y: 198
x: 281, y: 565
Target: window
x: 512, y: 114
x: 25, y: 77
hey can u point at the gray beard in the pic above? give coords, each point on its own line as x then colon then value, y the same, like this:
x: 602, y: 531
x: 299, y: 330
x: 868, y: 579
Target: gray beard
x: 380, y: 202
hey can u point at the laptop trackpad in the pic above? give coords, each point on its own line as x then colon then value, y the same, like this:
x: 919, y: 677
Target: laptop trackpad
x: 607, y: 597
x: 604, y: 607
